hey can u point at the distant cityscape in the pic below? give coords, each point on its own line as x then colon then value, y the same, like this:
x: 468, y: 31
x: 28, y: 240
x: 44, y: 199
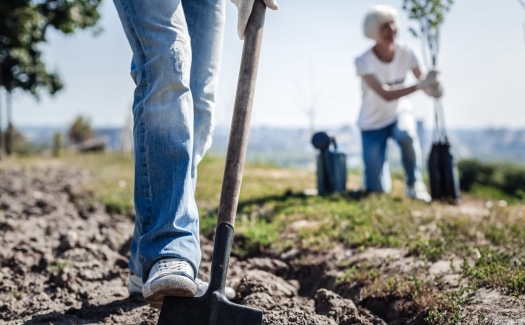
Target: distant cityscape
x: 292, y: 147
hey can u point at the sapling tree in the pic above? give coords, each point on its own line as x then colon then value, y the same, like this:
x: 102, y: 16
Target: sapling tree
x: 430, y: 14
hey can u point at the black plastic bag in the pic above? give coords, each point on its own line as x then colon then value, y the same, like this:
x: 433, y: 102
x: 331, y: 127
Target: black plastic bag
x: 444, y: 182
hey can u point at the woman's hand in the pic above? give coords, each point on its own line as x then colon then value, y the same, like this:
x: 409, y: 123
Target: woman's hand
x: 430, y: 81
x: 245, y: 9
x: 436, y: 91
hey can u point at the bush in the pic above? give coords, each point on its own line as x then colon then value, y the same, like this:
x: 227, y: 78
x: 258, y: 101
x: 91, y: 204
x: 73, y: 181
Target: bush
x: 80, y: 130
x: 508, y: 178
x: 514, y: 181
x: 18, y: 143
x: 473, y: 171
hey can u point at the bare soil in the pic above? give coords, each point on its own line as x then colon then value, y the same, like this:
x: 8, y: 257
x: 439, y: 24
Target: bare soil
x: 63, y: 260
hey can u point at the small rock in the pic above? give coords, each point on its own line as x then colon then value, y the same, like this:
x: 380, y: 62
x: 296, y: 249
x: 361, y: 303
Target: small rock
x: 61, y: 279
x: 274, y: 266
x: 295, y: 317
x: 259, y: 300
x: 333, y: 306
x: 68, y: 241
x: 260, y: 281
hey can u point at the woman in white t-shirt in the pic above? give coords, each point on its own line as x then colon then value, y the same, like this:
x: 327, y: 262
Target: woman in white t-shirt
x: 385, y: 111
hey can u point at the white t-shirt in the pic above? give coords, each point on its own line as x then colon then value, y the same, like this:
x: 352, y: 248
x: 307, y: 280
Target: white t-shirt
x: 376, y: 112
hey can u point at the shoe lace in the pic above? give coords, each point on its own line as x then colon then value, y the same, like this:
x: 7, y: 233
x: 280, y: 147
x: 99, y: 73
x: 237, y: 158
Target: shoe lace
x: 173, y: 265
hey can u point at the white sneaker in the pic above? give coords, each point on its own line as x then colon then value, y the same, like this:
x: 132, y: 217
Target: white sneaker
x: 135, y: 287
x: 169, y: 277
x: 134, y: 284
x: 419, y: 192
x: 202, y: 286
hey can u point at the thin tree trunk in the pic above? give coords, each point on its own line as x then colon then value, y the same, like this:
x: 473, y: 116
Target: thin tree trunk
x: 9, y: 135
x: 1, y: 130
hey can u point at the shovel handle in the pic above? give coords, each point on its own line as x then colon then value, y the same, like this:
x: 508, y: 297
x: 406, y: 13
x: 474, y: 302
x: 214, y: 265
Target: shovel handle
x: 236, y: 154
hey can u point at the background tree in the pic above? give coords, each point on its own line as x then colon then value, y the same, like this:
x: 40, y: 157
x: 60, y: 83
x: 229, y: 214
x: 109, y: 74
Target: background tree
x: 1, y: 133
x: 310, y: 100
x: 20, y: 146
x: 80, y: 130
x: 58, y: 144
x: 430, y: 15
x: 9, y: 135
x: 23, y: 27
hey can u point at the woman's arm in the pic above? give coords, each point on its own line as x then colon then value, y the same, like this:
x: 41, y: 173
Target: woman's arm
x: 390, y: 93
x: 387, y: 92
x: 417, y: 73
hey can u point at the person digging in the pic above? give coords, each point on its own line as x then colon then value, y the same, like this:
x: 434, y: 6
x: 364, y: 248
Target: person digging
x: 176, y: 47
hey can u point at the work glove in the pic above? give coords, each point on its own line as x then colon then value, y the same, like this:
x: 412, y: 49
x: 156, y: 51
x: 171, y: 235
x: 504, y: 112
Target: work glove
x: 436, y: 91
x: 430, y: 80
x: 245, y: 9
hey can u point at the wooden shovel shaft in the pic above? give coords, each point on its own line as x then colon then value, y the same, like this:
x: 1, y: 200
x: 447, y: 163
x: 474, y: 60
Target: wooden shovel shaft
x: 231, y: 184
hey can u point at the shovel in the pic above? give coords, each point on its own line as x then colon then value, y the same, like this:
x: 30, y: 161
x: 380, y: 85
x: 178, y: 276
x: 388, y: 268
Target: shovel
x: 213, y: 307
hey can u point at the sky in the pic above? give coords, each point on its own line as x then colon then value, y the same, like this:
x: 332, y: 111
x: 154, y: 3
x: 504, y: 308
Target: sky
x: 307, y: 58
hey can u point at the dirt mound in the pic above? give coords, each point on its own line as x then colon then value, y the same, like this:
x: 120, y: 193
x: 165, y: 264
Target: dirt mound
x: 63, y: 258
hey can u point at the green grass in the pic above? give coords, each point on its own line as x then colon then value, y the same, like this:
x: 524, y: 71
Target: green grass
x: 450, y: 306
x: 440, y: 307
x: 498, y: 269
x: 489, y: 193
x: 274, y: 214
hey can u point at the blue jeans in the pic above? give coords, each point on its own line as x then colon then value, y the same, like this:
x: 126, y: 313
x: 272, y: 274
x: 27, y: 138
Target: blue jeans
x: 176, y: 48
x: 377, y: 171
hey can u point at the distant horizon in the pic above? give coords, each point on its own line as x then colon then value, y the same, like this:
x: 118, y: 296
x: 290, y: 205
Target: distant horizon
x: 289, y: 146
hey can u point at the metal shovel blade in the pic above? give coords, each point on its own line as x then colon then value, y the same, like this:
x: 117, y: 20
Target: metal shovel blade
x: 213, y: 307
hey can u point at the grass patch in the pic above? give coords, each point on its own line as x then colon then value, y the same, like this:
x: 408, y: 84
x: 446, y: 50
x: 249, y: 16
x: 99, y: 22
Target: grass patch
x: 489, y: 193
x: 377, y: 284
x: 113, y: 181
x: 440, y: 308
x: 57, y: 266
x: 450, y: 306
x: 498, y: 269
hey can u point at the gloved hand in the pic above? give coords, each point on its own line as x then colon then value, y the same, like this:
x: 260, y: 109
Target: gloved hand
x: 245, y: 9
x: 436, y: 91
x: 430, y: 80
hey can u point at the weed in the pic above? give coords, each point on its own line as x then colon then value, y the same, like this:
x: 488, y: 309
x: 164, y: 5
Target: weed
x: 498, y: 269
x: 450, y: 306
x: 17, y: 294
x: 57, y: 266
